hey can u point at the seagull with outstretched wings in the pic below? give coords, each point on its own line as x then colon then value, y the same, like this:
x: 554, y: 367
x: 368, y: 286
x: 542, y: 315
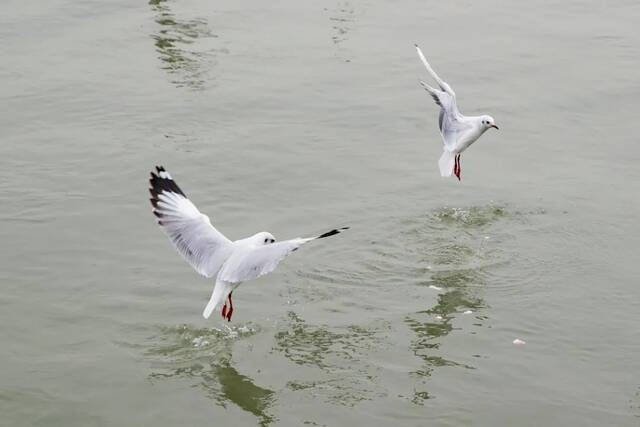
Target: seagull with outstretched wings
x: 208, y: 251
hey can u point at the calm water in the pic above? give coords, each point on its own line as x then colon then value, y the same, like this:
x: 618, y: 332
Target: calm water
x: 293, y: 117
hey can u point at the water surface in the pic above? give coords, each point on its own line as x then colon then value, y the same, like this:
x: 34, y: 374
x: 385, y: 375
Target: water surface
x: 295, y: 117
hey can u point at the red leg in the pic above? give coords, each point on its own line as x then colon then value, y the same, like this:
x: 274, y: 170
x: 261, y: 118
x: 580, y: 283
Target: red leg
x: 458, y: 167
x: 224, y: 311
x: 230, y: 312
x: 455, y: 165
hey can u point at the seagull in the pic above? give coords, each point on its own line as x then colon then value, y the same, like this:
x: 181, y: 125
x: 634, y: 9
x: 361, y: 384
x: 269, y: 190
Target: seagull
x: 208, y: 251
x: 458, y: 131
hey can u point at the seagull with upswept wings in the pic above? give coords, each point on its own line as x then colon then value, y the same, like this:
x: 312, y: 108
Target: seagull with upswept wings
x: 458, y: 131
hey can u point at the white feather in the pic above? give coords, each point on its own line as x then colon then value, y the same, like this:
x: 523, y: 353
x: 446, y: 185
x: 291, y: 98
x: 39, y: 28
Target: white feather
x: 221, y: 291
x: 446, y: 163
x: 458, y: 131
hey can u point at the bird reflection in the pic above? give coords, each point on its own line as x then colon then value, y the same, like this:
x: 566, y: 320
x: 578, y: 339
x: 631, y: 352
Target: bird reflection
x: 228, y: 385
x: 429, y: 332
x: 204, y: 357
x: 341, y: 18
x: 179, y: 43
x: 457, y: 281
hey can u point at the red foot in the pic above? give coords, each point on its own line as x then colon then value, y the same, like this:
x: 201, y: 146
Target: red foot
x: 456, y: 168
x: 230, y: 312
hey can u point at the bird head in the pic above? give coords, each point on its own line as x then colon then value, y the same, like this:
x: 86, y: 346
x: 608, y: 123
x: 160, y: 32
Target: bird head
x: 488, y: 122
x: 263, y: 238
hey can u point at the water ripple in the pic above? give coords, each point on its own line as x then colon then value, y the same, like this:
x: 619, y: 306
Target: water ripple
x: 340, y: 353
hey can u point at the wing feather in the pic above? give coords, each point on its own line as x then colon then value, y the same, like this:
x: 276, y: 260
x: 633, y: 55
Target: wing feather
x: 251, y: 262
x: 443, y: 85
x: 191, y: 232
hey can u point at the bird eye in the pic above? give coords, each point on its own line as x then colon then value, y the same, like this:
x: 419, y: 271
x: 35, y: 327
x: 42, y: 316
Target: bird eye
x: 266, y: 240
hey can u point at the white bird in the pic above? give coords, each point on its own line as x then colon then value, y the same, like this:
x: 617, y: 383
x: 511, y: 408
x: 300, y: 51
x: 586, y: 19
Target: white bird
x: 458, y: 131
x: 208, y: 251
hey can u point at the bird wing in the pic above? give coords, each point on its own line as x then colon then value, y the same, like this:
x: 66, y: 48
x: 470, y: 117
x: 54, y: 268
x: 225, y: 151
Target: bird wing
x: 191, y: 232
x: 443, y: 85
x: 450, y: 121
x: 250, y: 262
x: 452, y: 128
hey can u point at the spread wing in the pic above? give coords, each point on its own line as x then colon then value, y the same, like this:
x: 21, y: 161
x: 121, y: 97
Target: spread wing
x: 443, y: 85
x: 450, y: 119
x: 191, y: 232
x: 252, y: 262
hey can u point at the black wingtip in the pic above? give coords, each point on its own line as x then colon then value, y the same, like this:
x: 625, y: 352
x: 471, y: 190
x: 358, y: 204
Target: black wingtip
x: 332, y: 232
x: 161, y: 181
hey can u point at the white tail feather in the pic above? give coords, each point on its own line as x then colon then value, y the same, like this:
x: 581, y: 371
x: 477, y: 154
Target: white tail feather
x: 220, y: 293
x: 211, y: 305
x: 446, y: 163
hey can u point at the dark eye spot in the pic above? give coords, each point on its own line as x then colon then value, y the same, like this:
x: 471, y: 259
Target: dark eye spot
x: 266, y: 240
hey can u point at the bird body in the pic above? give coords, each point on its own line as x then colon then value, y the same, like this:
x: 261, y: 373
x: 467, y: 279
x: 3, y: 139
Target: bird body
x: 458, y: 131
x: 208, y: 251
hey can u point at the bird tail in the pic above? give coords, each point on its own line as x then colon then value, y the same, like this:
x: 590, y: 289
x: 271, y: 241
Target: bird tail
x: 446, y: 163
x: 220, y: 293
x: 211, y: 305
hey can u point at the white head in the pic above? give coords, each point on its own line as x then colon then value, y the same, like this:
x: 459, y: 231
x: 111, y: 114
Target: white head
x: 263, y: 238
x: 487, y: 122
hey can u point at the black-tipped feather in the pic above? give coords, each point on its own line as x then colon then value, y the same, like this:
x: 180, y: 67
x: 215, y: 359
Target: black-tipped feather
x: 332, y: 232
x: 160, y: 184
x: 436, y: 99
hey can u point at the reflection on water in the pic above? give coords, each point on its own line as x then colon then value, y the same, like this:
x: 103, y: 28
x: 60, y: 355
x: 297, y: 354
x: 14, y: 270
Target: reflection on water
x: 204, y: 356
x: 341, y: 356
x: 634, y: 405
x: 240, y: 389
x: 458, y: 255
x: 187, y: 61
x: 342, y: 17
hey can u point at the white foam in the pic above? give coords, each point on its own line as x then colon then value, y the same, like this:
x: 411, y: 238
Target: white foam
x: 468, y: 312
x: 437, y: 288
x: 199, y: 342
x: 518, y: 341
